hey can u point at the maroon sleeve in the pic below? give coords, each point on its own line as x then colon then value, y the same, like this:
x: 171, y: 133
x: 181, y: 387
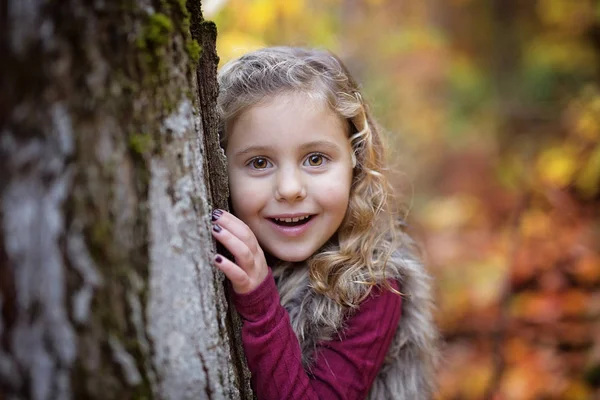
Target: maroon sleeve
x: 345, y: 366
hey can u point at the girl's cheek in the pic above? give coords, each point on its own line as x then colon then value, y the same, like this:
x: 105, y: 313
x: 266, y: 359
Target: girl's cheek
x: 247, y: 186
x: 335, y: 183
x: 335, y: 194
x: 237, y: 182
x: 248, y: 197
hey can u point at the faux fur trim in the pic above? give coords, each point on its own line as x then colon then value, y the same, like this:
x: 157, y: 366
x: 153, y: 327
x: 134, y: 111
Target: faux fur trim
x: 409, y: 368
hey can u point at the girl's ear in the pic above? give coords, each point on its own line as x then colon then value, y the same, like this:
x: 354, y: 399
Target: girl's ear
x: 353, y: 155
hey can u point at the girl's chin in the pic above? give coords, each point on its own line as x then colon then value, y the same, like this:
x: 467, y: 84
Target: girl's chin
x: 299, y: 255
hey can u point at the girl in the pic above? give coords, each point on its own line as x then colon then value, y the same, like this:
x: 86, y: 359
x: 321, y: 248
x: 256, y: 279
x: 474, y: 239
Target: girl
x: 344, y: 311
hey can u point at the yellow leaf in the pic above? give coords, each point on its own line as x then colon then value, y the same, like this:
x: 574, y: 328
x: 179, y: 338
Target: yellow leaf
x: 577, y: 391
x: 511, y: 171
x: 291, y: 8
x: 486, y: 281
x: 535, y: 224
x: 261, y: 15
x: 565, y: 13
x: 587, y: 120
x: 451, y: 212
x: 588, y: 180
x: 562, y: 53
x: 552, y: 11
x: 588, y: 125
x: 557, y: 165
x: 233, y: 44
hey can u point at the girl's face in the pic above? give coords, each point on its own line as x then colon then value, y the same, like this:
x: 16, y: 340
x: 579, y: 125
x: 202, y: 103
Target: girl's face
x: 290, y: 172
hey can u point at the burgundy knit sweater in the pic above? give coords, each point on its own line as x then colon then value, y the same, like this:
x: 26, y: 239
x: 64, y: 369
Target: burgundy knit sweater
x: 344, y: 367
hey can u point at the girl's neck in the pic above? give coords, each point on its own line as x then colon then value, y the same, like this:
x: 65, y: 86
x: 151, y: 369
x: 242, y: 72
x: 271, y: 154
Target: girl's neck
x: 272, y: 261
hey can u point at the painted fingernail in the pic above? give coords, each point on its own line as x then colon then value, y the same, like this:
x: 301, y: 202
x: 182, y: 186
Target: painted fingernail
x: 217, y: 228
x: 218, y: 259
x: 215, y: 215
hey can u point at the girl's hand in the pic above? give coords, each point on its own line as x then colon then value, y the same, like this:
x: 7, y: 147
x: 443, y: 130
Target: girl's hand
x: 250, y: 267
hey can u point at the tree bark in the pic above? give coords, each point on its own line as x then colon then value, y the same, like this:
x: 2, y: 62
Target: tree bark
x: 109, y: 168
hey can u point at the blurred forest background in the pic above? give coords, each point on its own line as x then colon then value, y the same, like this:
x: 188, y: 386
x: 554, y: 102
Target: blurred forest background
x: 493, y: 114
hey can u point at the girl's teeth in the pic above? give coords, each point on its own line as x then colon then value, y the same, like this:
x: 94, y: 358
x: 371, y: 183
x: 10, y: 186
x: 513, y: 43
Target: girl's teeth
x: 295, y: 219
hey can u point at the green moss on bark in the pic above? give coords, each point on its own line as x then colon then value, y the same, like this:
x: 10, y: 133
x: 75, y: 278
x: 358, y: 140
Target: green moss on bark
x: 156, y: 31
x: 141, y: 143
x: 194, y: 50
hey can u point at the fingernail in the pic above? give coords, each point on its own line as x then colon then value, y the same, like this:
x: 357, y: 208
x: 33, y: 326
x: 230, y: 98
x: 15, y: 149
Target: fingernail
x: 217, y: 228
x: 216, y: 214
x: 218, y: 259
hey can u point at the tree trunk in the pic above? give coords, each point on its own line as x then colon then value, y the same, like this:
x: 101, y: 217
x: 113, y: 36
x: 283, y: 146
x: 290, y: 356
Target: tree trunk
x: 107, y: 137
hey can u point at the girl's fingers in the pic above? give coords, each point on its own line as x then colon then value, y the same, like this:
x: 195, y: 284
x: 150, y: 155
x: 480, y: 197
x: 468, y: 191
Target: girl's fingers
x: 236, y: 227
x: 239, y: 249
x: 238, y: 277
x: 250, y: 267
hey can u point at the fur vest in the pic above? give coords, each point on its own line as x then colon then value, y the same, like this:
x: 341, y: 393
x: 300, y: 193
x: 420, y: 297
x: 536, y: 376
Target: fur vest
x: 409, y: 368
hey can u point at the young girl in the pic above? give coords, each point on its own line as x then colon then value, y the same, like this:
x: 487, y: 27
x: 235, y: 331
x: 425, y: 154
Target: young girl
x: 334, y: 301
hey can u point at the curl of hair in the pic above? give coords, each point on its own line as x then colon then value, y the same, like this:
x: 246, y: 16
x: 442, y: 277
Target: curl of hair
x: 349, y: 265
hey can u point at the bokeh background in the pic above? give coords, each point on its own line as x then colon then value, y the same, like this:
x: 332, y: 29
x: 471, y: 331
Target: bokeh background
x: 492, y: 114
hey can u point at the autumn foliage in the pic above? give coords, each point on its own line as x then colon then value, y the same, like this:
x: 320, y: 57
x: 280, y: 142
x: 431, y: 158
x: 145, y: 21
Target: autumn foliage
x: 493, y: 114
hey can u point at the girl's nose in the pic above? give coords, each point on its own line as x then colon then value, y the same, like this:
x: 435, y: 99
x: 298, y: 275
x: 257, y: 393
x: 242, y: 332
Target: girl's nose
x: 290, y: 186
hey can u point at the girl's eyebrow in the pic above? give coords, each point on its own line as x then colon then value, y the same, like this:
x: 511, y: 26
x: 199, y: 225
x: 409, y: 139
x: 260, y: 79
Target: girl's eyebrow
x: 264, y: 149
x: 253, y: 149
x: 320, y: 143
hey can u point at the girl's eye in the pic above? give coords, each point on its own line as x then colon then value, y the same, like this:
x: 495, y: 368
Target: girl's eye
x: 259, y: 163
x: 315, y: 160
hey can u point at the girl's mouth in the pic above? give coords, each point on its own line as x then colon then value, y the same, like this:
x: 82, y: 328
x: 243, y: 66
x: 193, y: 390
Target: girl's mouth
x: 295, y: 221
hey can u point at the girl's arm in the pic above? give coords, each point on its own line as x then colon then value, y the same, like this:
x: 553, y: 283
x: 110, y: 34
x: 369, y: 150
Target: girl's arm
x: 344, y: 368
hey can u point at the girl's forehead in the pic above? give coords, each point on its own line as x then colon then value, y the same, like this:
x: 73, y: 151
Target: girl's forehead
x: 309, y: 100
x: 297, y: 108
x: 287, y: 118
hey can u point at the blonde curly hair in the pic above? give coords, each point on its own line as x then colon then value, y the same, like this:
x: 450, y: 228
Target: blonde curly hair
x: 350, y: 264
